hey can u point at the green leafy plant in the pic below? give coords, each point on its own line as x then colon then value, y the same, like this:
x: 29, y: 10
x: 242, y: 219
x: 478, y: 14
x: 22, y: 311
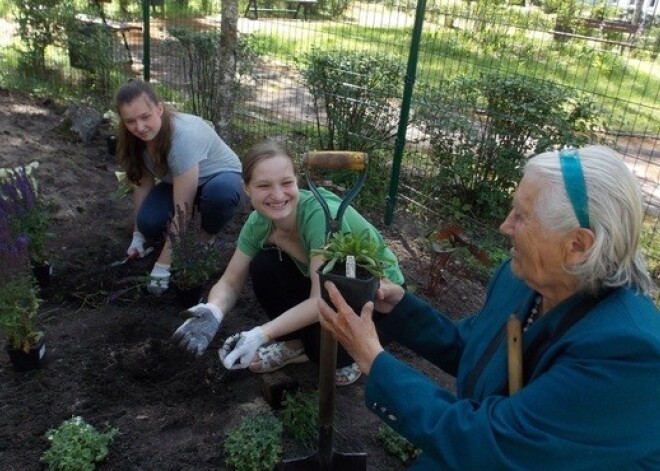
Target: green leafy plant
x: 397, y: 445
x: 369, y: 253
x: 77, y: 446
x: 193, y: 261
x: 300, y: 416
x: 256, y: 444
x: 482, y: 130
x: 19, y: 302
x: 352, y: 91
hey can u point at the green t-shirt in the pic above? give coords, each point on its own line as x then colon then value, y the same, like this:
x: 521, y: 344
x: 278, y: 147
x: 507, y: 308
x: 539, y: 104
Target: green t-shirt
x: 311, y: 230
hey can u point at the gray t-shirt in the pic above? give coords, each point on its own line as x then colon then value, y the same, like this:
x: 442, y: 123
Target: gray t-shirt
x: 194, y: 141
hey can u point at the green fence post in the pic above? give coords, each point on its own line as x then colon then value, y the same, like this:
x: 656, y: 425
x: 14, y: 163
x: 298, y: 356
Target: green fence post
x: 409, y: 85
x: 146, y: 45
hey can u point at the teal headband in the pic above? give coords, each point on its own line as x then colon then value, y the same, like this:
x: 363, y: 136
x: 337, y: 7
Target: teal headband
x: 576, y: 187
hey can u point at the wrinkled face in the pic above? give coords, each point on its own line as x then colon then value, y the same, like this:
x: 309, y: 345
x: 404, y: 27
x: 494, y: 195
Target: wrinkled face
x: 537, y: 255
x: 273, y: 188
x: 142, y: 118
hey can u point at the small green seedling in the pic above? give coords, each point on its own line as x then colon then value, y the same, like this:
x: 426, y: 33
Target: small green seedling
x: 256, y: 444
x: 397, y: 445
x: 76, y: 446
x: 300, y: 416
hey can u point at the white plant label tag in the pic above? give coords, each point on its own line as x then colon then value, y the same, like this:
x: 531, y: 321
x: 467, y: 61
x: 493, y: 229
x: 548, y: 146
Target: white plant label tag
x: 350, y: 266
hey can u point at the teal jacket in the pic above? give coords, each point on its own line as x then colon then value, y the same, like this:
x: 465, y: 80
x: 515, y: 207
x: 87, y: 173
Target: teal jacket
x: 592, y: 401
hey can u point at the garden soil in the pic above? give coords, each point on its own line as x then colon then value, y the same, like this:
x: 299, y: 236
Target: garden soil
x: 109, y: 357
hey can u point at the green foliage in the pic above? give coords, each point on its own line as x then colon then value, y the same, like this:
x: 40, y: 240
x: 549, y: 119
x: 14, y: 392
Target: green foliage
x: 91, y: 49
x: 352, y: 91
x: 397, y: 445
x: 300, y: 416
x: 482, y: 130
x: 256, y: 444
x: 18, y: 299
x: 193, y: 261
x: 40, y: 24
x: 76, y: 446
x: 369, y: 253
x: 198, y: 53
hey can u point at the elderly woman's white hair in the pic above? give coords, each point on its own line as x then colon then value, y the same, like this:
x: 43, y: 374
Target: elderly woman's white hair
x: 615, y: 215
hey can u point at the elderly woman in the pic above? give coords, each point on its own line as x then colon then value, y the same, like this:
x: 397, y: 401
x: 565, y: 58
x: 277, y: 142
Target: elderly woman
x: 591, y: 337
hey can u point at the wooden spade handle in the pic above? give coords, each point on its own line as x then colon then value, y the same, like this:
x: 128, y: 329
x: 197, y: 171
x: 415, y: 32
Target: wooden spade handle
x: 514, y: 354
x: 336, y: 160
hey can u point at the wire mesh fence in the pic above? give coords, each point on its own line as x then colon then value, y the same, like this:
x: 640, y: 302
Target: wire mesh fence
x: 333, y: 73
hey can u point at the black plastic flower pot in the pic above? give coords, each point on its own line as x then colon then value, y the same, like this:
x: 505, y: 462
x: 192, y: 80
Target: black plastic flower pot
x: 111, y: 141
x: 356, y: 291
x: 42, y: 274
x: 32, y: 360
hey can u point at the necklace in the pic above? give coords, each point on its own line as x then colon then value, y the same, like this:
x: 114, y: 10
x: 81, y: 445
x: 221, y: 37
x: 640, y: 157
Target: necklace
x: 533, y: 313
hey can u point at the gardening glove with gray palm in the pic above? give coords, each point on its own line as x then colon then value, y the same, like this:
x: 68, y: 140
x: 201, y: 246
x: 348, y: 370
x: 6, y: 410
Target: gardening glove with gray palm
x: 159, y: 279
x: 196, y: 333
x: 239, y: 349
x: 136, y: 249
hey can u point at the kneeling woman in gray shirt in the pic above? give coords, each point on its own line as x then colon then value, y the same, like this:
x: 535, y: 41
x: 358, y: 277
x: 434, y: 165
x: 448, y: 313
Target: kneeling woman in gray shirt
x: 193, y: 165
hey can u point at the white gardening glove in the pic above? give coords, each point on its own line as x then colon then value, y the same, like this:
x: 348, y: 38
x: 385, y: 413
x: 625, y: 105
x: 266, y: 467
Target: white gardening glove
x: 159, y: 279
x: 196, y: 333
x: 239, y: 349
x: 136, y: 249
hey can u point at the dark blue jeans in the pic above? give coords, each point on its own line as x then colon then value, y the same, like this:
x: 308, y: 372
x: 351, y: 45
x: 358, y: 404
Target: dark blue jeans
x: 217, y: 200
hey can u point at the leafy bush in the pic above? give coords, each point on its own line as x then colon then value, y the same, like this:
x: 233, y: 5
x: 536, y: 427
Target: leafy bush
x: 482, y: 130
x: 76, y: 446
x: 370, y: 254
x: 300, y: 417
x: 352, y: 93
x: 41, y: 23
x: 198, y: 54
x: 256, y: 444
x: 397, y: 445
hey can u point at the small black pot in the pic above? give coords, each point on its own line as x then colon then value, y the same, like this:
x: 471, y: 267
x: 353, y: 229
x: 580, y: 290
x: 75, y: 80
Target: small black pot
x: 42, y: 274
x: 32, y: 360
x: 111, y: 141
x: 356, y: 291
x: 188, y: 297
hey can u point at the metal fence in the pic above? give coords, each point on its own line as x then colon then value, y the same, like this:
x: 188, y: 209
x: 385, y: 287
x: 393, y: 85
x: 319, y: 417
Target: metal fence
x: 588, y: 48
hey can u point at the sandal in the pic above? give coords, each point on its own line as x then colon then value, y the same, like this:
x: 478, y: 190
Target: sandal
x: 275, y: 356
x: 347, y: 375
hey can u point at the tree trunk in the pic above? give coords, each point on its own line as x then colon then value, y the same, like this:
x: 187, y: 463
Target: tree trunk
x: 227, y: 66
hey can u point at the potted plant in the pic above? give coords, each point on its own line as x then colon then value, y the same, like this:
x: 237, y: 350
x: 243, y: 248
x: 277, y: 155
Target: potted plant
x: 19, y: 302
x: 370, y: 263
x: 28, y: 216
x: 194, y: 262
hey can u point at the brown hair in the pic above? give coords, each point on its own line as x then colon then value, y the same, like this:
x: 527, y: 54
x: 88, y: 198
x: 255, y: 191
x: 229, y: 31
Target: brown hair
x: 260, y: 152
x: 131, y: 148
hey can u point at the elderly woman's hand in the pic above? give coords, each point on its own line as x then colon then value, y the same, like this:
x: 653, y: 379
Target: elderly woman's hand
x: 356, y: 333
x: 389, y: 294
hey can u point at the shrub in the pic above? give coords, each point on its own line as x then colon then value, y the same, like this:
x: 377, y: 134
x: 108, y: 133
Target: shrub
x: 198, y: 54
x: 352, y: 93
x: 76, y: 446
x: 256, y: 444
x: 300, y: 417
x: 482, y: 130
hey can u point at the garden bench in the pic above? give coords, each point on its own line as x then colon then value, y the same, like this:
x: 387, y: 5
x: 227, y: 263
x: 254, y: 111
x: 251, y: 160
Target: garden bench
x: 303, y: 5
x: 567, y: 30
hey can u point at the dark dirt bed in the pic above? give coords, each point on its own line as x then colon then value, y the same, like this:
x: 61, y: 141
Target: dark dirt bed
x: 110, y: 358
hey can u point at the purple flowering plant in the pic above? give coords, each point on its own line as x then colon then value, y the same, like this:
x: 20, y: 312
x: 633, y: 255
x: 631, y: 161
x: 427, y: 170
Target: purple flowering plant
x: 27, y: 213
x: 193, y: 261
x: 18, y: 294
